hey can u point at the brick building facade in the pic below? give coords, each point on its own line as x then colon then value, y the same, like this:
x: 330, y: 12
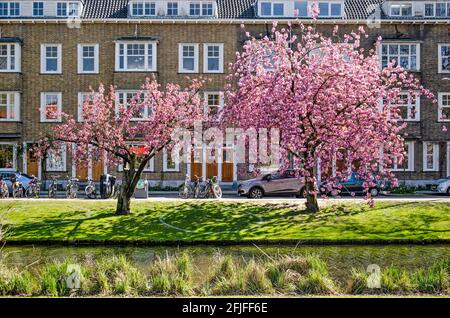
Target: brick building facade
x: 51, y: 54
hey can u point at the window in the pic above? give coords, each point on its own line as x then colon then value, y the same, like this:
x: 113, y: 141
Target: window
x: 300, y: 8
x: 51, y: 107
x: 136, y: 56
x: 85, y: 97
x: 38, y: 9
x: 430, y: 156
x: 266, y: 9
x: 429, y: 10
x: 8, y: 154
x: 67, y: 9
x: 51, y: 58
x: 330, y: 9
x: 9, y: 106
x: 56, y: 159
x: 207, y: 9
x: 409, y: 107
x: 213, y: 58
x: 444, y: 58
x: 87, y: 58
x: 169, y: 164
x: 442, y: 9
x: 143, y: 9
x: 125, y: 98
x: 150, y: 167
x: 408, y: 160
x: 404, y: 54
x: 401, y: 9
x: 9, y: 9
x: 213, y: 102
x: 172, y: 8
x: 278, y: 9
x: 188, y: 58
x: 9, y: 57
x: 444, y: 106
x: 194, y: 9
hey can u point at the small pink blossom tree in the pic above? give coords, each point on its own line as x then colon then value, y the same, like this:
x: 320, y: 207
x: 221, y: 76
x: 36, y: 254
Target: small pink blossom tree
x: 129, y: 133
x: 330, y: 100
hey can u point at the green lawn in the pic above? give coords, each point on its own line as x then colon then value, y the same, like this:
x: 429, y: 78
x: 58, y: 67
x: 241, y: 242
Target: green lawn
x: 213, y: 220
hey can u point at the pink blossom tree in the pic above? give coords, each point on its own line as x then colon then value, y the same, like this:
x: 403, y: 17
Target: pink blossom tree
x: 329, y: 98
x: 128, y: 132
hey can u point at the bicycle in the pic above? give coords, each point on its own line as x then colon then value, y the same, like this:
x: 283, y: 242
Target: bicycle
x: 90, y: 190
x: 34, y: 188
x: 72, y: 188
x: 4, y: 191
x: 117, y: 188
x: 186, y: 190
x: 53, y: 188
x: 211, y: 189
x: 17, y: 188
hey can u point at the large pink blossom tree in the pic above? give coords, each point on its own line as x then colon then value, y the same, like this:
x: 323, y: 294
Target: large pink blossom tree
x: 129, y: 132
x: 329, y: 98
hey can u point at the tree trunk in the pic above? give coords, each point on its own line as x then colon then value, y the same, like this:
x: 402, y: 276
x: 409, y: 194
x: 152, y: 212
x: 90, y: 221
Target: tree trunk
x: 130, y: 179
x: 311, y: 194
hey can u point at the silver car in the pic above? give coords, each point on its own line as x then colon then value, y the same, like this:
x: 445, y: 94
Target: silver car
x: 272, y: 184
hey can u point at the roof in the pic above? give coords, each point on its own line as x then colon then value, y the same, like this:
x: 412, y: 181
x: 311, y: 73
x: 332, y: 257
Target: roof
x: 231, y: 9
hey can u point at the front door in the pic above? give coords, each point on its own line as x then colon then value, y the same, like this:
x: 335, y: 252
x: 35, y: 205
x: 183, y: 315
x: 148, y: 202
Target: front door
x: 32, y: 162
x: 82, y: 171
x: 97, y: 169
x: 227, y: 166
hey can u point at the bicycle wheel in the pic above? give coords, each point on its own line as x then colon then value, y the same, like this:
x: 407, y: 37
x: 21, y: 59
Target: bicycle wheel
x: 90, y: 192
x: 217, y: 191
x: 29, y: 192
x: 185, y: 192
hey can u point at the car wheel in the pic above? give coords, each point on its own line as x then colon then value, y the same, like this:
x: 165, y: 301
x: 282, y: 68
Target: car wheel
x: 448, y: 191
x: 373, y: 192
x: 255, y: 193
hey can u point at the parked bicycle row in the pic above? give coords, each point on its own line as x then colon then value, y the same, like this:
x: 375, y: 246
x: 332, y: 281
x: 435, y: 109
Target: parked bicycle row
x: 195, y: 189
x: 18, y: 185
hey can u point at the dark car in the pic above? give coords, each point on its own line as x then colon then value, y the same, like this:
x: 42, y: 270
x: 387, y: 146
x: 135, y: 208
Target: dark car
x: 21, y: 177
x: 284, y: 183
x: 354, y: 184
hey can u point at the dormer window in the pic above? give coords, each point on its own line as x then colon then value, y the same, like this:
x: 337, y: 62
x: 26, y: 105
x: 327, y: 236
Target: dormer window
x: 9, y: 9
x: 67, y: 9
x: 172, y: 8
x: 272, y: 9
x: 141, y: 9
x: 439, y: 9
x: 330, y: 9
x: 300, y: 8
x: 38, y: 9
x: 401, y: 9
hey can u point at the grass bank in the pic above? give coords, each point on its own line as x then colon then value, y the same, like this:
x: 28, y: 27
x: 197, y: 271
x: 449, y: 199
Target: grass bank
x: 177, y: 275
x: 83, y: 220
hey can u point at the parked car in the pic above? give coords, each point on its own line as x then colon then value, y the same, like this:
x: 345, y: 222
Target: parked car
x: 442, y: 186
x: 354, y: 184
x: 21, y: 177
x: 272, y: 184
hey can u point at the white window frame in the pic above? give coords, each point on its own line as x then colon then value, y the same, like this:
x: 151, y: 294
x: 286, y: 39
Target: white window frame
x: 440, y: 106
x: 409, y: 155
x: 380, y: 54
x: 44, y: 58
x: 409, y: 106
x: 147, y: 112
x: 80, y: 104
x: 43, y: 104
x: 205, y: 96
x: 17, y: 58
x: 146, y: 68
x: 435, y: 156
x: 181, y: 68
x: 80, y: 58
x: 440, y: 70
x: 69, y: 7
x: 63, y: 149
x: 329, y: 15
x: 205, y: 58
x: 16, y: 113
x: 14, y: 145
x: 165, y: 167
x: 43, y: 8
x: 146, y: 5
x: 400, y: 5
x: 9, y: 12
x: 177, y: 8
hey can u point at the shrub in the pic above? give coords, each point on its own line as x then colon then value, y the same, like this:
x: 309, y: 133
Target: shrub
x: 357, y: 283
x: 61, y: 278
x: 434, y: 279
x: 394, y: 280
x: 14, y: 282
x: 256, y: 280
